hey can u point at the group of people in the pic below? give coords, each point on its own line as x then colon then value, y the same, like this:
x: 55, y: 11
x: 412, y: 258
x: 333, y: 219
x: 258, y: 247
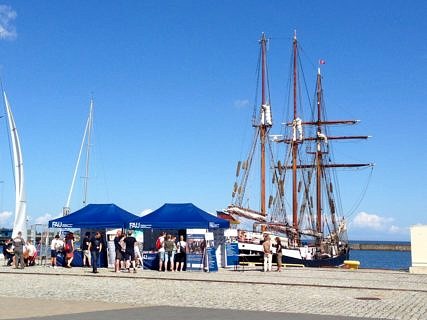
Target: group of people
x: 267, y: 246
x: 127, y: 251
x: 91, y: 248
x: 172, y: 253
x: 19, y: 252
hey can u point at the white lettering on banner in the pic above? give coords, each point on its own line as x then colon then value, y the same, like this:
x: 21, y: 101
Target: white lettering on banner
x: 213, y: 225
x: 59, y: 224
x: 138, y: 225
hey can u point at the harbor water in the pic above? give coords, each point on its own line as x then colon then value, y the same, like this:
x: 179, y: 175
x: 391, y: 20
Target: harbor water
x: 379, y: 259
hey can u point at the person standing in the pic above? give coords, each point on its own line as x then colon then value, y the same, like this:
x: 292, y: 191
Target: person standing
x: 118, y: 250
x: 268, y: 257
x: 130, y: 251
x: 55, y: 248
x: 95, y: 247
x: 180, y: 255
x: 169, y: 246
x: 279, y: 248
x: 86, y: 251
x: 18, y: 244
x: 69, y: 249
x: 160, y: 247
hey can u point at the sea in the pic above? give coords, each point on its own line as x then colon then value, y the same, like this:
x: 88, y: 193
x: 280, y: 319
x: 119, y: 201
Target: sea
x: 379, y: 259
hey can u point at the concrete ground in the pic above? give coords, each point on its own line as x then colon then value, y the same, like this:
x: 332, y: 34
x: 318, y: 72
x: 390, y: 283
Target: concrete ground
x: 292, y: 294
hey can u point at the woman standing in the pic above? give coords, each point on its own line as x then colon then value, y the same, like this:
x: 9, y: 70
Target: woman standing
x: 69, y: 249
x: 181, y: 256
x: 279, y: 254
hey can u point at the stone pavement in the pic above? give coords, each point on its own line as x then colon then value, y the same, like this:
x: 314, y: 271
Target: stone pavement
x: 335, y: 292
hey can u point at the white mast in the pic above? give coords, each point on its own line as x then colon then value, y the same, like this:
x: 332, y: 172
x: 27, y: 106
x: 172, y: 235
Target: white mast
x: 20, y: 223
x: 88, y: 129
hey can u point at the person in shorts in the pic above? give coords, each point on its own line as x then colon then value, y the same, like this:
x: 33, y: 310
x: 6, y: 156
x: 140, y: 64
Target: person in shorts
x: 55, y: 248
x: 130, y: 251
x: 118, y: 250
x: 85, y: 250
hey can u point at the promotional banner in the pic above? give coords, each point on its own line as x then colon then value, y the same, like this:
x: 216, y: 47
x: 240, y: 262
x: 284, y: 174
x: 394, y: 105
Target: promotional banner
x: 232, y: 254
x: 211, y: 260
x: 196, y: 245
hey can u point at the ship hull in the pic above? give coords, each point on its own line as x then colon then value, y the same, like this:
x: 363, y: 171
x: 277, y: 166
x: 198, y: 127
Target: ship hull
x: 253, y: 253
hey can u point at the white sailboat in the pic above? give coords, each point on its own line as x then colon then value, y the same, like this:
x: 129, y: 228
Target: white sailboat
x: 20, y: 222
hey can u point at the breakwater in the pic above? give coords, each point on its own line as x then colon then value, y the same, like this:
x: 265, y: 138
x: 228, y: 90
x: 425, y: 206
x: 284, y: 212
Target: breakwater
x: 380, y: 246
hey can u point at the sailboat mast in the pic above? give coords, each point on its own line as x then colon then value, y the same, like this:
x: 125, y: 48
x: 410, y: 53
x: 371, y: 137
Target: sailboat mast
x: 263, y: 127
x: 319, y: 167
x: 86, y: 178
x: 295, y: 143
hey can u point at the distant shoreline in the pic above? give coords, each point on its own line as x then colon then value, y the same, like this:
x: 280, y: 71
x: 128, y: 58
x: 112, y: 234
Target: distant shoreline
x: 380, y: 245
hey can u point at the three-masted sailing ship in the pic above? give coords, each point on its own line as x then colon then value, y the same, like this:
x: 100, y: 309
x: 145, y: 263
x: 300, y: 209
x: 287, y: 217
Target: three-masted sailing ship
x: 303, y: 209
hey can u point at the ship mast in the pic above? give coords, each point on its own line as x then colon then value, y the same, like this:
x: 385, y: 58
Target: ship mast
x: 319, y: 164
x: 295, y: 142
x: 263, y: 125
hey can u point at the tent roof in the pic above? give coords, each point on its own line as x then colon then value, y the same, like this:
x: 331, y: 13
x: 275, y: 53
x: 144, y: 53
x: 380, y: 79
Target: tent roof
x: 95, y: 216
x: 179, y: 216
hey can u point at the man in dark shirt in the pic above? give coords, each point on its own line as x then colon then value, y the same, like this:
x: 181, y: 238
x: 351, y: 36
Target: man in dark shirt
x: 95, y: 248
x: 130, y: 251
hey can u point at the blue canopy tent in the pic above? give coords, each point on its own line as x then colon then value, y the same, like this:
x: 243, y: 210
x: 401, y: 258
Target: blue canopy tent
x: 95, y: 216
x: 178, y: 216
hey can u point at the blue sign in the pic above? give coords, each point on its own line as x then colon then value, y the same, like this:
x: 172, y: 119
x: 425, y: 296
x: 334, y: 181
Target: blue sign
x: 212, y: 263
x: 232, y: 254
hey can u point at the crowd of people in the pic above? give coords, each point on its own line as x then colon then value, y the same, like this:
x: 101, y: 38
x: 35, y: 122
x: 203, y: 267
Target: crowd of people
x: 127, y: 252
x: 172, y: 253
x: 19, y: 253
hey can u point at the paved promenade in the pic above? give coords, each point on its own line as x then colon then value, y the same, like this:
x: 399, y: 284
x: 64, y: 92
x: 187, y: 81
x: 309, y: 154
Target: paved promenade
x: 43, y: 291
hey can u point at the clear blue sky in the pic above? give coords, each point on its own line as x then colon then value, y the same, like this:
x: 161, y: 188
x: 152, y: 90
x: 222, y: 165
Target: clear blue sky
x: 171, y: 79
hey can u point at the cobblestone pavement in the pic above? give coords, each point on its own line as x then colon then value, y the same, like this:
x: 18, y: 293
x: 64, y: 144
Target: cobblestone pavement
x: 361, y: 293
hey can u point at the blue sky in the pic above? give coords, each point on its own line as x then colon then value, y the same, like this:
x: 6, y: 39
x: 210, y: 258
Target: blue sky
x: 174, y: 84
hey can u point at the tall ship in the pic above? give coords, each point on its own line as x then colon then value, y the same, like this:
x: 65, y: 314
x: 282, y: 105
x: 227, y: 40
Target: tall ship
x: 303, y: 208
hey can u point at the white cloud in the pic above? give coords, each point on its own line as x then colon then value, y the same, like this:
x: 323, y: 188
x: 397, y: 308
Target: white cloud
x: 7, y: 29
x: 372, y: 221
x: 145, y: 212
x: 43, y: 219
x: 241, y: 103
x: 4, y: 217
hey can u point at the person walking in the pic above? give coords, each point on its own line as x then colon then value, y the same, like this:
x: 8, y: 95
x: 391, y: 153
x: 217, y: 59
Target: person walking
x: 85, y: 250
x: 268, y: 257
x: 95, y: 248
x: 18, y: 249
x: 130, y: 251
x: 279, y: 248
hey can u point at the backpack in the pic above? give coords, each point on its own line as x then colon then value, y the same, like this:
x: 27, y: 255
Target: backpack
x: 158, y: 243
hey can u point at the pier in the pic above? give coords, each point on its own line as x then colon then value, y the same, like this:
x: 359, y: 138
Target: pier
x: 380, y: 246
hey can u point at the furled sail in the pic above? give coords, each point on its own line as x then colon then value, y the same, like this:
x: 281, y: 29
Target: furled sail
x: 246, y: 213
x: 20, y: 223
